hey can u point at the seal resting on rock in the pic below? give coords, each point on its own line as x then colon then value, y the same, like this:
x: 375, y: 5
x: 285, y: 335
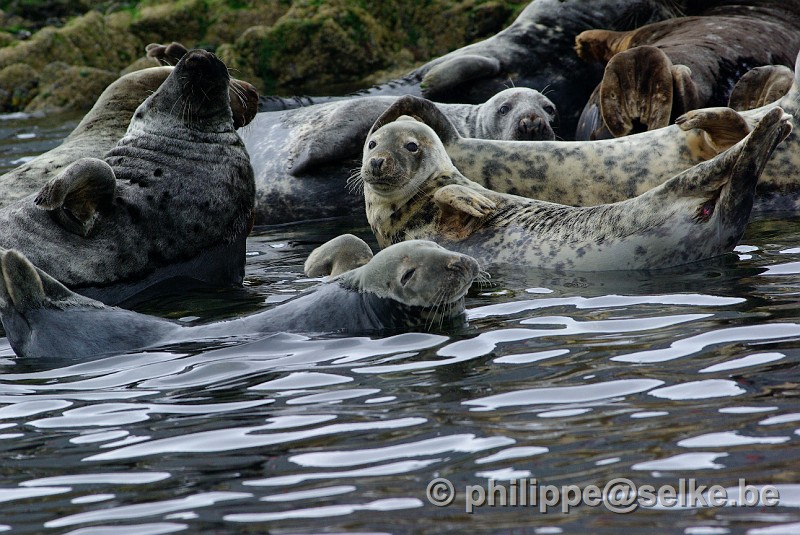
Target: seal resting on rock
x: 535, y: 51
x: 174, y: 198
x: 309, y: 153
x: 659, y: 71
x: 105, y: 124
x: 408, y: 286
x: 413, y: 191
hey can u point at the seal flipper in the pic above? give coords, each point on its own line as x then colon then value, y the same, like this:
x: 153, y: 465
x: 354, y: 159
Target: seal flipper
x: 79, y: 194
x: 337, y: 256
x: 451, y: 73
x: 761, y: 86
x: 719, y: 129
x: 423, y: 110
x: 461, y: 210
x: 636, y: 92
x: 168, y: 55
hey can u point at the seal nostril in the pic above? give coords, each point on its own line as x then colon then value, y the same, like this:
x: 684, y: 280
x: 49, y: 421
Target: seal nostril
x: 524, y: 125
x: 377, y: 165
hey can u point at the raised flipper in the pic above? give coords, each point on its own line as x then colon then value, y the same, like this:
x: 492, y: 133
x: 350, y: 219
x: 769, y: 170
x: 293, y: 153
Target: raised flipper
x: 761, y: 86
x: 461, y: 210
x: 79, y: 194
x: 601, y: 45
x: 726, y: 184
x: 685, y: 95
x: 719, y: 129
x: 423, y: 110
x: 337, y: 256
x: 453, y: 72
x: 169, y: 54
x: 636, y: 91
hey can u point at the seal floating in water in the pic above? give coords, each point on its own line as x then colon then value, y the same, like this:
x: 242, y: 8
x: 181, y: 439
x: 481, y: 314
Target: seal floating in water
x: 413, y: 191
x: 407, y: 286
x: 302, y: 158
x: 174, y: 197
x: 659, y: 71
x: 535, y: 51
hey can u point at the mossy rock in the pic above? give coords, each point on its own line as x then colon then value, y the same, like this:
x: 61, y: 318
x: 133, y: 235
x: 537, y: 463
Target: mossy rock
x: 230, y: 18
x: 18, y: 86
x: 185, y: 21
x: 64, y: 87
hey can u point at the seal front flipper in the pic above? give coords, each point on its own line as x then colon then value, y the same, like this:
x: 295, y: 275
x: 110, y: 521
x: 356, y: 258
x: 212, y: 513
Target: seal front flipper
x: 168, y: 55
x: 337, y: 256
x: 761, y: 86
x: 718, y: 129
x: 461, y: 210
x: 636, y: 92
x: 449, y: 74
x: 79, y: 194
x: 424, y: 111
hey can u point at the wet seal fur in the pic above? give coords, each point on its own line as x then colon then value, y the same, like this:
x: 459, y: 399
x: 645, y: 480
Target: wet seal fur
x: 408, y: 286
x: 105, y: 124
x: 302, y: 158
x: 535, y: 51
x: 659, y: 71
x: 413, y: 191
x: 174, y: 198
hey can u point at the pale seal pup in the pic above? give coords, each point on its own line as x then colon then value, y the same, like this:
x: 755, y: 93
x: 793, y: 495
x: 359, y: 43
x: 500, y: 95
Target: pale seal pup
x: 105, y: 124
x: 413, y: 285
x: 535, y: 51
x: 413, y: 191
x: 659, y: 71
x: 302, y: 158
x: 174, y: 198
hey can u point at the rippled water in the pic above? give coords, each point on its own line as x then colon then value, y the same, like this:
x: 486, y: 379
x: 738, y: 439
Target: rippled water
x: 568, y: 379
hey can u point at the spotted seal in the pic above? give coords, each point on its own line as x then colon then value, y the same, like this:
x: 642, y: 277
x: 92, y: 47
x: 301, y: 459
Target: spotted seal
x: 661, y: 70
x: 413, y: 191
x: 412, y: 285
x: 309, y: 153
x: 105, y: 124
x: 173, y: 198
x: 535, y: 51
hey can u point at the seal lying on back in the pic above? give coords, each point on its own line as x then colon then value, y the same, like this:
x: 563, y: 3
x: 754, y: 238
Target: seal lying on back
x: 659, y: 71
x: 302, y: 158
x: 407, y: 286
x: 535, y: 51
x: 413, y: 191
x: 105, y: 124
x: 173, y: 198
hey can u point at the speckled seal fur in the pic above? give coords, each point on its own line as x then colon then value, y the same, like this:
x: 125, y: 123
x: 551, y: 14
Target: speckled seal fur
x: 413, y: 191
x: 104, y: 125
x: 173, y: 198
x: 412, y: 285
x: 303, y: 158
x: 535, y: 51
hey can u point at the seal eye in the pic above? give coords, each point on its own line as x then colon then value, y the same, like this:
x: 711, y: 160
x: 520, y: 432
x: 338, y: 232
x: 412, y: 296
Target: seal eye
x: 411, y: 146
x: 548, y: 109
x: 371, y: 144
x: 503, y: 109
x: 407, y: 276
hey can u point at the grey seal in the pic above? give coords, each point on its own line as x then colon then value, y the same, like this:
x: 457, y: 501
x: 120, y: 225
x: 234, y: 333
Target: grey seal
x: 336, y: 256
x: 661, y: 70
x: 535, y: 51
x: 413, y: 285
x: 413, y: 191
x: 174, y: 198
x: 302, y: 158
x: 104, y: 125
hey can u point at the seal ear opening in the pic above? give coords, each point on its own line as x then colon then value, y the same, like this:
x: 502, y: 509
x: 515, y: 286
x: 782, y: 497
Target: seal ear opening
x: 425, y: 111
x: 78, y: 195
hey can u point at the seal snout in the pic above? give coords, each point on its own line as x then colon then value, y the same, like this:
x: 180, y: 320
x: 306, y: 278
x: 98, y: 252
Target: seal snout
x: 376, y: 165
x: 465, y: 266
x: 534, y: 127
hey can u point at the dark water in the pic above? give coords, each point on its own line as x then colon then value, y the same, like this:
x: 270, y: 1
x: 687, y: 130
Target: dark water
x: 569, y: 379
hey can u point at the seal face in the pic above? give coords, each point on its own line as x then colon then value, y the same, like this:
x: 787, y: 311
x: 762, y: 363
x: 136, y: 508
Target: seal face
x: 410, y: 285
x: 173, y: 198
x: 412, y: 191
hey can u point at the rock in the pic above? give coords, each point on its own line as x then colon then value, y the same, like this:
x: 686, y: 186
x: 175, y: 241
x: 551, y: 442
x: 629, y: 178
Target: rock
x: 19, y: 84
x: 65, y: 87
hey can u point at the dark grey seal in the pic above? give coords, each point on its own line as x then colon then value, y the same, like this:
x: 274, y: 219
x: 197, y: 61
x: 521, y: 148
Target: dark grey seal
x: 413, y: 285
x: 174, y: 198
